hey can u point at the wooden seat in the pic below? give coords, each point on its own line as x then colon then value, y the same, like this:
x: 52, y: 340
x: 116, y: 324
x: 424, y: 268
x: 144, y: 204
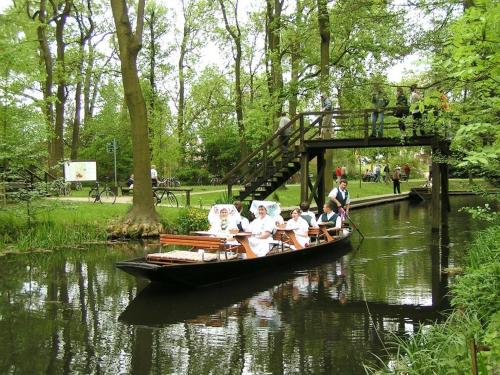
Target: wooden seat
x: 183, y: 256
x: 196, y: 242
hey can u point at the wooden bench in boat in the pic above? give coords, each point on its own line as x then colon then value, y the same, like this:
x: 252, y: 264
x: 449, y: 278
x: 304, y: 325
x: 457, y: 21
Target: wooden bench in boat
x: 210, y: 244
x: 185, y: 256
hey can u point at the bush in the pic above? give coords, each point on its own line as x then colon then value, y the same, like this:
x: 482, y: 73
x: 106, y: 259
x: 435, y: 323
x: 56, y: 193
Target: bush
x: 191, y: 219
x: 193, y: 176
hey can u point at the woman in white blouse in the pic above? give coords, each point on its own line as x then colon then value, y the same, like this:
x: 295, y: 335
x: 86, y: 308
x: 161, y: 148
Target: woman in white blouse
x: 262, y: 228
x: 300, y: 227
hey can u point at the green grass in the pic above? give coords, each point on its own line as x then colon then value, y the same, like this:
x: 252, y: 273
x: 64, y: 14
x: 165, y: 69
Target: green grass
x: 61, y: 223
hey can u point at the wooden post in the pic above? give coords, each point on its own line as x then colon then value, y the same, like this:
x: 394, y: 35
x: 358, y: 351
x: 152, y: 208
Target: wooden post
x: 445, y: 198
x: 304, y: 172
x: 436, y: 190
x: 321, y: 179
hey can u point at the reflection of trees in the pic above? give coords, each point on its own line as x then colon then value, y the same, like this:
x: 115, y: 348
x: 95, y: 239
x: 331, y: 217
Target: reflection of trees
x: 59, y: 312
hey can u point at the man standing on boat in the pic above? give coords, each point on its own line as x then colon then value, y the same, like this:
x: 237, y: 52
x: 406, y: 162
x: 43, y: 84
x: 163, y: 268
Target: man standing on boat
x: 340, y: 198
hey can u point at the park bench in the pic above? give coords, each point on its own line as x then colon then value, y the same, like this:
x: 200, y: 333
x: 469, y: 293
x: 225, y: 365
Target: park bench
x: 126, y: 190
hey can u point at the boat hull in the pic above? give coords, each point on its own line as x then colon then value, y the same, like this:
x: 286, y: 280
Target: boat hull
x: 193, y: 275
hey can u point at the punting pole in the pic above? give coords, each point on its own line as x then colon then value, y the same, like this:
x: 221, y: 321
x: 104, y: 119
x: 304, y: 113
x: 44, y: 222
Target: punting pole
x: 355, y: 226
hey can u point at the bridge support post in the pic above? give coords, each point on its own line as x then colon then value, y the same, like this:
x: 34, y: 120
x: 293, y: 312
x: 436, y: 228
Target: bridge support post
x: 321, y: 175
x: 304, y: 173
x: 436, y: 190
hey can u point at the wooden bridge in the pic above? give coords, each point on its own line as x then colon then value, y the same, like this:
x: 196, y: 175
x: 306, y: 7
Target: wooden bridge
x: 271, y: 165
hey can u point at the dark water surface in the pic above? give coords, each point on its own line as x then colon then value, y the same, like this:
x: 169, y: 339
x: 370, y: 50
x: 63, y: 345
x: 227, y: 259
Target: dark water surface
x: 73, y: 312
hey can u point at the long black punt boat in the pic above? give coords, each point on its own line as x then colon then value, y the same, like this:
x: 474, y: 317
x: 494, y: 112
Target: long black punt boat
x: 214, y: 260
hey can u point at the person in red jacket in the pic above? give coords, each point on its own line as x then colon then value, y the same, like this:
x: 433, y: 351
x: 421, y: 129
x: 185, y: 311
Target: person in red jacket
x: 338, y: 174
x: 406, y: 170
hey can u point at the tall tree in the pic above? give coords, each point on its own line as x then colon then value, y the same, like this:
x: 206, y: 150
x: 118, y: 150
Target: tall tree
x: 274, y: 68
x: 324, y: 82
x: 142, y: 219
x: 235, y: 33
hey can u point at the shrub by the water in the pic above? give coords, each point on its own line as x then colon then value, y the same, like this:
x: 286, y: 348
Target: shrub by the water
x: 192, y: 219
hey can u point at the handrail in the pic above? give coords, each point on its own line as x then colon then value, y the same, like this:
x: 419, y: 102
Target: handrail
x: 261, y: 148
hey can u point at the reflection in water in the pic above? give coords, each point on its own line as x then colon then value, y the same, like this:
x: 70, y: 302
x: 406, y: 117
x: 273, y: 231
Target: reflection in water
x: 73, y: 312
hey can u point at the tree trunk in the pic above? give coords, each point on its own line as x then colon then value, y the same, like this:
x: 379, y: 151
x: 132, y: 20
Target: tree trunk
x: 275, y: 80
x: 142, y: 220
x: 324, y: 84
x: 295, y: 60
x: 182, y: 100
x: 46, y: 60
x: 58, y: 134
x: 235, y: 34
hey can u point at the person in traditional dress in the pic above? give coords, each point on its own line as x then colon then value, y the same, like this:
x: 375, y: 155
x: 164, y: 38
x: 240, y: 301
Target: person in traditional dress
x: 223, y: 220
x: 261, y: 228
x: 300, y: 227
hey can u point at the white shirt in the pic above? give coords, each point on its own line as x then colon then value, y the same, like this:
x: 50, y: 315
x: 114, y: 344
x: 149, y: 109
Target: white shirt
x: 334, y: 192
x: 338, y: 222
x: 154, y: 174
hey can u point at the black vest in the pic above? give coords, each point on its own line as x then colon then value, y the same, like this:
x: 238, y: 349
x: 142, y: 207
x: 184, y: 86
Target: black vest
x: 324, y: 218
x: 342, y: 200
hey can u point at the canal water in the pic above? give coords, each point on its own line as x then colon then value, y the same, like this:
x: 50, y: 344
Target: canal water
x: 73, y: 312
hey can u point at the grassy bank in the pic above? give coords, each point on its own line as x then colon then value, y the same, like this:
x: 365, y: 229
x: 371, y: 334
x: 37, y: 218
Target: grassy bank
x: 470, y: 336
x: 50, y: 224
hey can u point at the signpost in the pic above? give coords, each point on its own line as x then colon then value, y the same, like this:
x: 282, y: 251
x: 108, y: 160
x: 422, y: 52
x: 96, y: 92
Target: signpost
x: 111, y: 148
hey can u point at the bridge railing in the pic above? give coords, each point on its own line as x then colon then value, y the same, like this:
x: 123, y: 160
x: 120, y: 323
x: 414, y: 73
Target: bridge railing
x: 305, y: 126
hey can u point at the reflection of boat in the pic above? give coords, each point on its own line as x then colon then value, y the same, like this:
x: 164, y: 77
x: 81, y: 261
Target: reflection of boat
x: 198, y: 272
x: 183, y: 305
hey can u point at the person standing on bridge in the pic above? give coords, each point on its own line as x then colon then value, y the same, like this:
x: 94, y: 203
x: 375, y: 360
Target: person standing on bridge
x: 326, y: 122
x: 284, y: 136
x: 340, y: 198
x: 379, y: 101
x: 416, y: 108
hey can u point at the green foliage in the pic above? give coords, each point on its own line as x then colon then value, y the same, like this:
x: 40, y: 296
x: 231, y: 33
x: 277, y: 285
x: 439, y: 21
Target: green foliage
x: 192, y: 175
x: 192, y: 219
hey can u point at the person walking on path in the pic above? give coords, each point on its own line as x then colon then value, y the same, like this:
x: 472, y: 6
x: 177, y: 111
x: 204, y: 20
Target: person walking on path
x: 378, y: 171
x: 326, y: 122
x: 338, y: 173
x: 379, y: 101
x: 406, y: 170
x: 387, y: 172
x: 341, y: 199
x: 154, y: 176
x: 396, y: 177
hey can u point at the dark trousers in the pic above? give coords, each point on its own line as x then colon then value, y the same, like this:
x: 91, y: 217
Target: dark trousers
x: 417, y: 122
x: 397, y: 186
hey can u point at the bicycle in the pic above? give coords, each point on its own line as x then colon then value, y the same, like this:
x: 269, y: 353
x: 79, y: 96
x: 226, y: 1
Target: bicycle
x: 102, y: 196
x: 169, y: 182
x: 61, y: 188
x: 160, y: 194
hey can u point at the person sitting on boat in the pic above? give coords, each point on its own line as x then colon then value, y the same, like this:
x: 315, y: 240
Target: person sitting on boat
x: 340, y: 198
x: 223, y: 219
x: 262, y: 229
x: 308, y: 215
x: 243, y: 224
x: 300, y: 227
x: 273, y: 210
x: 329, y: 218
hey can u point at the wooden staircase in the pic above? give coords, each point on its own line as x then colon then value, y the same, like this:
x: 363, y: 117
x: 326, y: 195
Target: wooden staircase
x: 271, y: 165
